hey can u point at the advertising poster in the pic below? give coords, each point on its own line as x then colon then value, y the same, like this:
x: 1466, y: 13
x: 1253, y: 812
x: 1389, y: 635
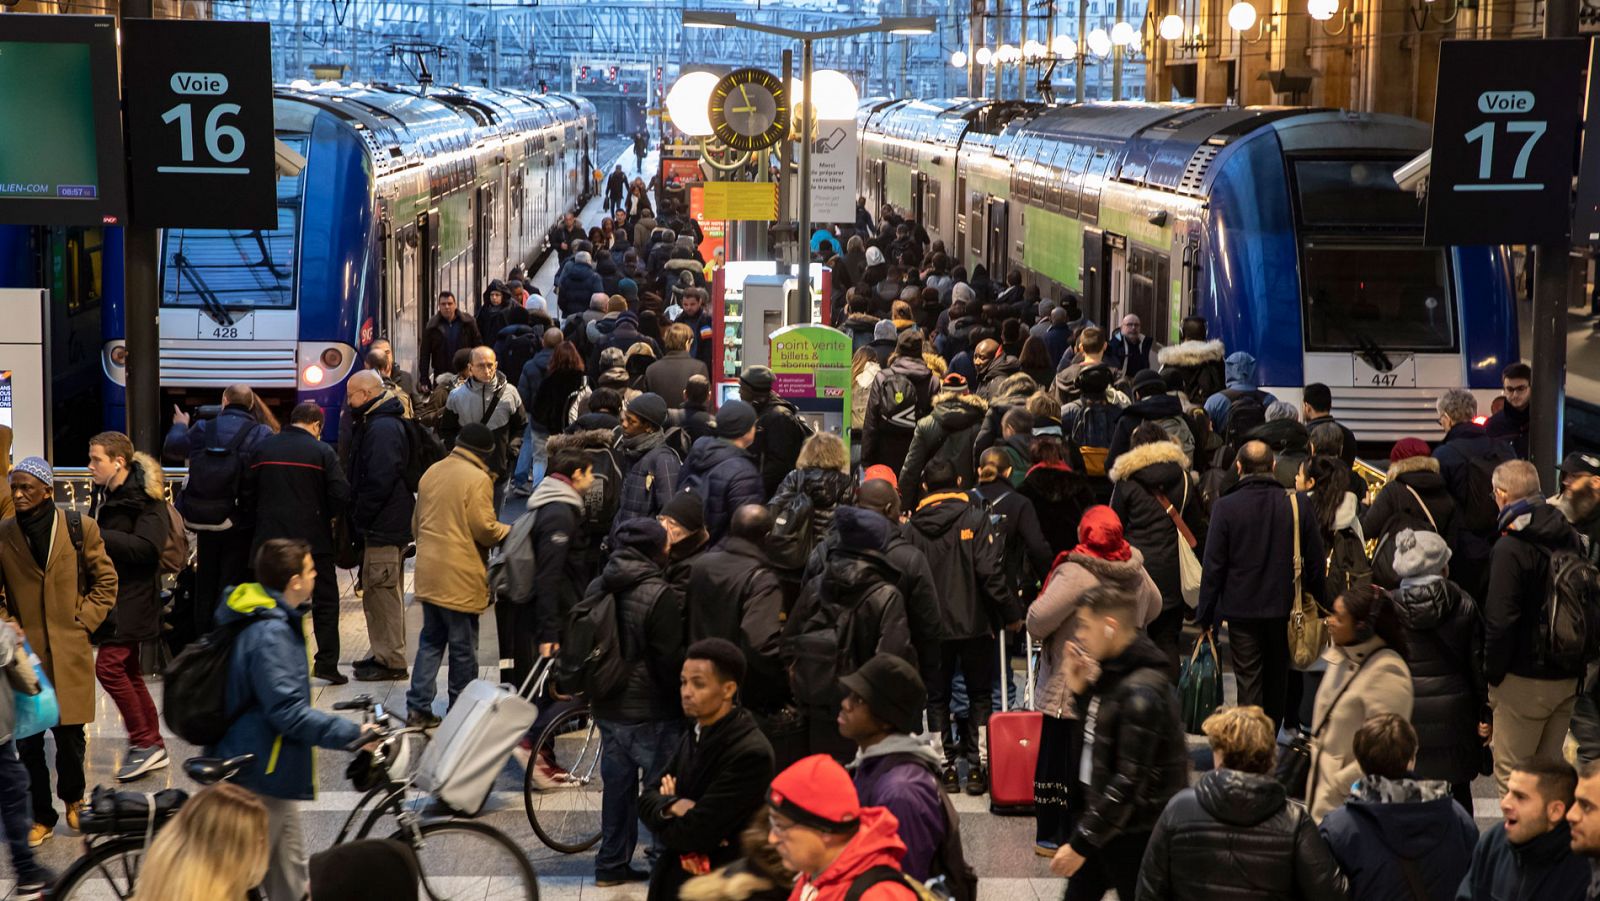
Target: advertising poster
x: 811, y: 367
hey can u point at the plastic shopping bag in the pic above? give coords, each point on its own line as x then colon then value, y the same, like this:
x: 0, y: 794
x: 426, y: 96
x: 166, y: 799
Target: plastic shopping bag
x: 36, y: 712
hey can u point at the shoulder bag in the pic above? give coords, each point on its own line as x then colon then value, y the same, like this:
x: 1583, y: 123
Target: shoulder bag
x: 1306, y: 639
x: 1189, y: 568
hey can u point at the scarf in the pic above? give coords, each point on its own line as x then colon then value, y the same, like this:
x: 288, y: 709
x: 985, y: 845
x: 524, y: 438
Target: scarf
x: 36, y: 527
x: 636, y: 446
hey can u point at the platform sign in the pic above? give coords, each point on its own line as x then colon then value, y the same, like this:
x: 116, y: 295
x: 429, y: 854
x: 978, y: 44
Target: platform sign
x: 833, y: 172
x: 199, y: 123
x: 1505, y: 128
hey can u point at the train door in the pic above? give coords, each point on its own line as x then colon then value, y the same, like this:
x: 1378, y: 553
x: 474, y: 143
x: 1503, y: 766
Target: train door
x: 995, y: 257
x: 404, y: 298
x: 975, y: 229
x: 1148, y: 292
x: 919, y: 190
x: 880, y: 186
x: 1116, y: 257
x: 427, y: 269
x: 1094, y: 299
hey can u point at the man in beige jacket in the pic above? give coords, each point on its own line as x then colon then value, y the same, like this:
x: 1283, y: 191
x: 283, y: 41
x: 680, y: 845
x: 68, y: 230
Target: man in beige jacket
x: 455, y: 525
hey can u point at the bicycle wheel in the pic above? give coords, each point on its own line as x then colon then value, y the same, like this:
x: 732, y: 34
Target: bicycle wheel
x: 109, y: 870
x: 566, y: 815
x: 462, y: 859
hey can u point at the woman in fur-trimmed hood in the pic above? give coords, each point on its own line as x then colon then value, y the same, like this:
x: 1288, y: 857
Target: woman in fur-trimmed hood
x: 1415, y: 497
x: 1193, y: 368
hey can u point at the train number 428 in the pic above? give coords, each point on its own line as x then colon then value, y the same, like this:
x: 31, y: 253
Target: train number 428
x: 226, y: 331
x: 1385, y: 379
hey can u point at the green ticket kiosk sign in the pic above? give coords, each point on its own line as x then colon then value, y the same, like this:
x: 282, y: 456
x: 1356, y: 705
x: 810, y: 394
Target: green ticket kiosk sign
x: 811, y: 369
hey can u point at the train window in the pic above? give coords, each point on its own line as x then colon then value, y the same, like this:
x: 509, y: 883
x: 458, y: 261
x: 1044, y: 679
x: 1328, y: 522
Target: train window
x: 237, y: 269
x: 1055, y: 175
x: 1092, y: 180
x: 1072, y: 185
x: 1360, y: 296
x: 1354, y: 192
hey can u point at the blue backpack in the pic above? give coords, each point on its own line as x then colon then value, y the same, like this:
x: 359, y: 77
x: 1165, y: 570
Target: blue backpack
x: 210, y: 498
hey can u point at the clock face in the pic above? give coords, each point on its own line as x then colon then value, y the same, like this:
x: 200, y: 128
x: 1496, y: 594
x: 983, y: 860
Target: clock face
x: 749, y: 109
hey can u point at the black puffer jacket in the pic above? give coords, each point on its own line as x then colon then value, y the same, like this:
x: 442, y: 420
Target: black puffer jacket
x: 734, y: 594
x: 827, y: 488
x: 1059, y: 495
x: 650, y: 622
x: 861, y: 581
x: 1236, y: 837
x: 1519, y: 576
x: 779, y: 436
x: 1444, y: 641
x: 726, y: 478
x: 881, y: 441
x: 133, y: 523
x: 949, y: 432
x: 1138, y: 476
x: 965, y: 556
x: 1396, y: 508
x: 1139, y: 760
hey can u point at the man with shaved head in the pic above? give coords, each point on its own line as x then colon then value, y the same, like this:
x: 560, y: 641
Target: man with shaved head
x: 381, y: 504
x: 1248, y: 576
x: 487, y: 397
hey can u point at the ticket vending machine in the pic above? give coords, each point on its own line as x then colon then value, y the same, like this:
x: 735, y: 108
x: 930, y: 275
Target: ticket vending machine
x: 24, y: 375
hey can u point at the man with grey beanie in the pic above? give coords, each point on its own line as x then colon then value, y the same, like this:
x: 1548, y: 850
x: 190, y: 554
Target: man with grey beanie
x: 1443, y: 633
x: 721, y: 470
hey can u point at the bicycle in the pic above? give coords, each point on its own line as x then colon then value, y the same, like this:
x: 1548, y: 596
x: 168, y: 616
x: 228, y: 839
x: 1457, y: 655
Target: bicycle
x: 499, y: 869
x: 566, y: 816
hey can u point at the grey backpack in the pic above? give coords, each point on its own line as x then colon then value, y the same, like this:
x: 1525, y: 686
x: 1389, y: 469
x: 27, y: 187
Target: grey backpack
x: 512, y: 567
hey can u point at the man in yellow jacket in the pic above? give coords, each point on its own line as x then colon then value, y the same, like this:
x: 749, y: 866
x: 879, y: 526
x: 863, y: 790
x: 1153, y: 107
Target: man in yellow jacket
x: 455, y: 525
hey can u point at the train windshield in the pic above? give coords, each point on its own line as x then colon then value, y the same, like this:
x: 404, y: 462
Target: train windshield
x: 237, y: 270
x: 1361, y: 296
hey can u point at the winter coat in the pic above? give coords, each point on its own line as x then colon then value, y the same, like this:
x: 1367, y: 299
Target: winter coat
x: 725, y: 769
x: 1396, y: 506
x: 1239, y: 370
x: 1025, y: 555
x: 1136, y: 747
x: 1057, y: 343
x: 295, y: 486
x: 1052, y: 618
x: 862, y: 581
x: 876, y: 843
x: 859, y: 327
x: 778, y: 440
x: 438, y: 357
x: 531, y: 377
x: 494, y: 320
x: 1387, y: 822
x: 455, y: 525
x: 1130, y: 359
x: 702, y: 325
x: 1465, y: 442
x: 651, y: 479
x: 880, y: 442
x: 190, y: 443
x: 949, y: 431
x: 734, y: 594
x: 470, y: 401
x: 1165, y: 410
x: 1236, y: 836
x: 1519, y: 577
x: 552, y: 403
x: 726, y: 478
x: 1248, y: 567
x: 1136, y: 479
x: 578, y: 283
x: 269, y: 687
x: 381, y: 505
x: 965, y: 558
x: 669, y: 375
x: 1444, y: 641
x: 516, y: 344
x: 860, y: 390
x: 1059, y: 496
x: 897, y: 774
x: 828, y: 489
x: 1379, y: 682
x: 1511, y: 425
x: 695, y: 421
x: 56, y: 617
x: 1542, y: 869
x: 650, y: 625
x: 1193, y: 368
x: 560, y: 552
x: 914, y: 578
x: 134, y: 525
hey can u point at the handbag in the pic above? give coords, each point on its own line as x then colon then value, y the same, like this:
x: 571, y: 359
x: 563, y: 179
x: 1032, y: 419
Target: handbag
x: 1189, y: 568
x: 1200, y: 683
x: 1306, y: 638
x: 40, y: 711
x: 1293, y: 769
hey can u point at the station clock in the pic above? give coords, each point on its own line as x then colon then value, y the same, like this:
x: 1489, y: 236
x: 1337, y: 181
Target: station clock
x: 749, y: 109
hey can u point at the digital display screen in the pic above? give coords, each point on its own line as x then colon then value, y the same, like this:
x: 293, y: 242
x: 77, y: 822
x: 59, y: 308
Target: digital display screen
x: 60, y: 138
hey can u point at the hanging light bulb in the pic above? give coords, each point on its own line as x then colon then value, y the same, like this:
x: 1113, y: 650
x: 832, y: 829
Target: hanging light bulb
x: 1064, y: 45
x: 1171, y: 28
x: 958, y: 59
x: 1241, y: 16
x: 1122, y: 34
x: 1322, y: 10
x: 1032, y: 50
x: 983, y: 56
x: 1099, y: 42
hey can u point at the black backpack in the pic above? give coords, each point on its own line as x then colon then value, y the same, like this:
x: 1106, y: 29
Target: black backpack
x: 1479, y: 512
x: 794, y: 532
x: 1348, y: 567
x: 1569, y: 624
x: 604, y: 497
x: 1246, y: 411
x: 949, y: 874
x: 195, y: 687
x: 591, y: 660
x: 422, y: 451
x: 211, y: 492
x: 823, y: 648
x: 897, y: 401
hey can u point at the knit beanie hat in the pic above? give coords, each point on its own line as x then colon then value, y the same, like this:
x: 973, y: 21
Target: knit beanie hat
x: 476, y: 437
x: 1419, y: 554
x: 1408, y: 447
x: 687, y: 509
x: 880, y: 471
x: 884, y: 330
x: 39, y: 468
x: 649, y: 407
x: 816, y: 792
x: 734, y: 419
x: 1100, y: 535
x: 644, y: 535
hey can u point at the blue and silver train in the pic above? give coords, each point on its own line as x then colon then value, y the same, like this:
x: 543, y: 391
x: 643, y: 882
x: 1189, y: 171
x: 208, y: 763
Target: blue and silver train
x: 390, y: 196
x: 1283, y: 227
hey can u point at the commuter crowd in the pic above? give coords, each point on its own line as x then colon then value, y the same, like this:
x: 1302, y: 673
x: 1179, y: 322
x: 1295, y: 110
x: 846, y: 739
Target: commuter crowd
x: 797, y: 647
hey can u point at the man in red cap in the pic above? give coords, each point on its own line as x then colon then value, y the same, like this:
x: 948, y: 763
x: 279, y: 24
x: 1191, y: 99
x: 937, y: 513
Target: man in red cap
x: 822, y: 832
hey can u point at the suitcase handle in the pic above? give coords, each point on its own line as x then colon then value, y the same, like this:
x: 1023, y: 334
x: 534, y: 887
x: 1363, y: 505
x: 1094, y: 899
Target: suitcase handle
x: 538, y: 674
x: 1005, y: 671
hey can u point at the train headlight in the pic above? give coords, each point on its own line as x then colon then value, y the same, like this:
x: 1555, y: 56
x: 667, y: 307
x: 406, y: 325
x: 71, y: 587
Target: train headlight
x: 119, y: 355
x: 332, y: 357
x: 312, y: 375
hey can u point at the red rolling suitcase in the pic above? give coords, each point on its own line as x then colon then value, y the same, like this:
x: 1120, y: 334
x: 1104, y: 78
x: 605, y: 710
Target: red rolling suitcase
x: 1013, y: 744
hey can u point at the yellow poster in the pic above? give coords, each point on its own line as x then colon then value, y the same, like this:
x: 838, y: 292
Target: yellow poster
x: 733, y: 201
